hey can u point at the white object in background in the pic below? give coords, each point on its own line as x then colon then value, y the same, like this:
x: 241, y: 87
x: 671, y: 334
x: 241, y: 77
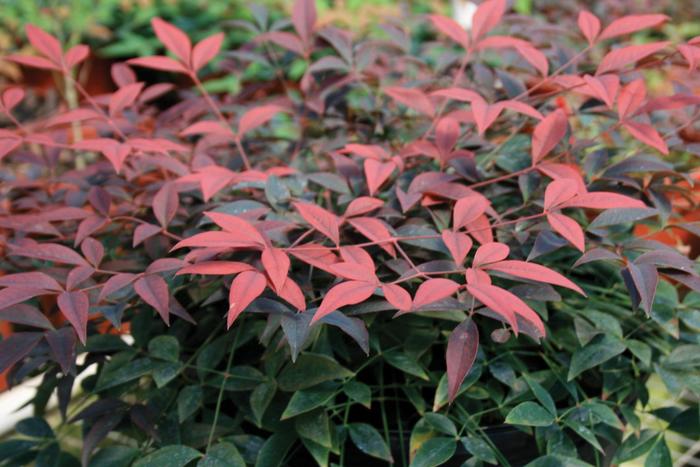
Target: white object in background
x: 463, y: 12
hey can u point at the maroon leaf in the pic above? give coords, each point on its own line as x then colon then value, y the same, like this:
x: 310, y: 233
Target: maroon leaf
x: 645, y: 279
x: 74, y: 307
x: 116, y: 283
x: 154, y: 291
x: 17, y: 346
x: 165, y: 204
x: 145, y: 231
x: 30, y: 280
x: 93, y: 251
x: 62, y: 345
x: 619, y: 58
x: 462, y: 347
x: 304, y: 18
x: 50, y: 252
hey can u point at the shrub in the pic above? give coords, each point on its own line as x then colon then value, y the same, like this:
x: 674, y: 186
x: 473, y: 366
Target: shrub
x: 445, y: 178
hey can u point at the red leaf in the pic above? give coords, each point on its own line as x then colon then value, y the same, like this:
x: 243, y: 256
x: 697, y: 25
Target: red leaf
x: 480, y: 229
x: 115, y: 283
x: 488, y: 295
x: 433, y: 290
x: 284, y: 39
x: 114, y: 151
x: 459, y: 94
x: 623, y: 56
x: 76, y: 55
x: 377, y: 173
x: 11, y: 97
x: 89, y: 226
x: 397, y: 296
x: 412, y: 98
x: 93, y: 251
x: 74, y: 306
x: 589, y: 26
x: 206, y: 50
x: 173, y: 39
x: 533, y: 272
x: 603, y: 200
x: 362, y: 205
x: 144, y: 232
x: 375, y: 230
x: 522, y: 108
x: 468, y: 209
x: 691, y: 55
x: 124, y: 97
x: 316, y: 255
x: 257, y: 116
x: 451, y: 29
x: 304, y: 18
x: 78, y: 275
x: 215, y: 268
x: 14, y: 295
x: 604, y: 87
x: 484, y: 114
x: 462, y: 347
x: 34, y: 62
x: 458, y: 244
x: 630, y: 24
x: 244, y: 231
x: 647, y: 134
x: 369, y: 151
x: 158, y: 63
x: 246, y: 287
x: 325, y: 222
x: 631, y: 98
x: 165, y: 204
x: 487, y: 17
x: 343, y: 294
x: 490, y: 253
x: 165, y: 265
x: 7, y: 145
x: 352, y: 271
x: 291, y: 292
x: 547, y: 134
x: 215, y: 240
x: 567, y: 228
x: 154, y: 291
x: 446, y: 135
x: 358, y: 255
x: 30, y: 280
x: 50, y: 252
x: 45, y: 43
x: 276, y: 264
x: 558, y: 192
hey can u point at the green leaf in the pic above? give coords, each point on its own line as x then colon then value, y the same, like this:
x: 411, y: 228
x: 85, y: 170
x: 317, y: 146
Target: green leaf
x: 260, y: 399
x: 434, y: 452
x: 222, y: 455
x: 188, y: 401
x: 274, y: 449
x: 585, y: 433
x: 164, y: 372
x: 164, y: 348
x: 309, y: 370
x: 604, y: 413
x: 687, y: 423
x: 368, y: 440
x: 309, y: 399
x: 635, y: 446
x: 315, y: 426
x: 640, y: 350
x: 557, y: 461
x: 479, y: 449
x: 358, y: 392
x: 318, y: 452
x: 531, y: 414
x: 659, y: 456
x: 15, y: 447
x: 130, y: 371
x: 405, y: 363
x: 441, y: 423
x: 541, y: 394
x: 34, y: 427
x: 114, y: 456
x: 172, y: 456
x: 601, y: 349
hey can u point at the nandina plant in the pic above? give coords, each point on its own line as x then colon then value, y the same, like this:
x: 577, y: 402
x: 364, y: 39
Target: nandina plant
x: 476, y: 173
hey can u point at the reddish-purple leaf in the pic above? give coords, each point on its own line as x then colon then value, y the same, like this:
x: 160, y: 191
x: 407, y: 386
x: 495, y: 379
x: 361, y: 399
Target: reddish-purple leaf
x: 375, y: 230
x: 589, y: 26
x: 433, y: 290
x: 17, y: 346
x: 35, y: 62
x: 116, y: 283
x: 246, y: 287
x: 468, y: 209
x: 362, y: 205
x: 619, y: 58
x: 50, y: 252
x: 78, y: 275
x: 547, y: 134
x: 206, y: 50
x: 325, y: 222
x: 631, y: 98
x: 412, y: 98
x: 304, y: 18
x: 630, y: 24
x: 532, y: 271
x: 45, y: 43
x: 487, y: 17
x: 145, y: 231
x: 487, y: 294
x: 217, y: 240
x: 165, y: 265
x: 25, y: 315
x: 276, y: 264
x: 14, y: 295
x: 165, y: 204
x: 284, y: 39
x: 158, y: 63
x: 397, y: 296
x: 462, y: 347
x: 647, y: 134
x: 173, y: 39
x: 567, y: 228
x: 124, y: 97
x: 645, y: 278
x: 490, y: 253
x: 451, y: 29
x: 30, y: 280
x: 257, y: 116
x: 446, y: 135
x: 74, y: 307
x: 458, y: 244
x: 243, y: 230
x: 343, y: 294
x: 604, y: 87
x: 154, y: 291
x: 377, y: 173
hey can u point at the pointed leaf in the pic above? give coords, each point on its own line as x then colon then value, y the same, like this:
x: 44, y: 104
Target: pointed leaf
x: 548, y: 133
x: 451, y: 29
x: 490, y: 253
x: 325, y: 222
x: 619, y: 58
x: 458, y: 244
x: 276, y: 264
x: 589, y: 26
x: 343, y: 294
x: 468, y: 209
x: 533, y: 272
x: 397, y: 296
x: 257, y: 116
x: 45, y: 43
x: 74, y: 306
x: 377, y: 173
x: 630, y: 24
x: 246, y: 287
x: 487, y: 17
x: 462, y: 347
x: 567, y: 228
x: 433, y: 290
x: 154, y: 291
x: 173, y: 39
x: 206, y: 50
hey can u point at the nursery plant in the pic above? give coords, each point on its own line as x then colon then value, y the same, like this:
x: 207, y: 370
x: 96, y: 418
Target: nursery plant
x: 414, y: 247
